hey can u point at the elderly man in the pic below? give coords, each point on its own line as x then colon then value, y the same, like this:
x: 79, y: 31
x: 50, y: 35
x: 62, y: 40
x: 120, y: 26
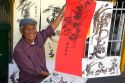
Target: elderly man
x: 29, y: 53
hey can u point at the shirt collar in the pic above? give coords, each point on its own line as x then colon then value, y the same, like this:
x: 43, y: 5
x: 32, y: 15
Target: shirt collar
x: 26, y: 43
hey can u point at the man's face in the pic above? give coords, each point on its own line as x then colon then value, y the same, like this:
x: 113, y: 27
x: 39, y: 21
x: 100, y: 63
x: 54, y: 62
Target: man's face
x: 29, y: 33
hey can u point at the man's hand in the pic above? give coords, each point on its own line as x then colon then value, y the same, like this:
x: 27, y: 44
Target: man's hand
x: 44, y: 74
x: 63, y: 10
x: 56, y: 22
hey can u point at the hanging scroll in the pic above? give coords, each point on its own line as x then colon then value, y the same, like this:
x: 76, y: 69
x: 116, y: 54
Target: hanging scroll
x: 70, y: 49
x: 99, y: 63
x: 50, y: 9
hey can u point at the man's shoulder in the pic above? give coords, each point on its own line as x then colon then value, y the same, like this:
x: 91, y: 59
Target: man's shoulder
x: 19, y: 45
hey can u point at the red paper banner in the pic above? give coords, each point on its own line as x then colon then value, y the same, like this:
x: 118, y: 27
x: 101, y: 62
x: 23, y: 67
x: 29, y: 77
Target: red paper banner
x: 70, y: 51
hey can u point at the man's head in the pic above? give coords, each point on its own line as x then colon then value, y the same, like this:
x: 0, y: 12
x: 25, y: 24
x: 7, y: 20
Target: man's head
x: 28, y: 29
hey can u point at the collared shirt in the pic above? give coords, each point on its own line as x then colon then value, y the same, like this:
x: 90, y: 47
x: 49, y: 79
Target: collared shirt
x: 30, y: 58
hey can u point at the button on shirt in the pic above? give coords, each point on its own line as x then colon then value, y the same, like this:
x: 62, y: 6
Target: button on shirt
x: 30, y: 58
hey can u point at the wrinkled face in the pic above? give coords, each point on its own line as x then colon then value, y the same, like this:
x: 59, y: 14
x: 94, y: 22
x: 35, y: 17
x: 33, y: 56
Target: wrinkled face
x: 29, y: 33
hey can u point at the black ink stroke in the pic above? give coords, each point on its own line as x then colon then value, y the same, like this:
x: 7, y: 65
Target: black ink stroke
x: 25, y: 8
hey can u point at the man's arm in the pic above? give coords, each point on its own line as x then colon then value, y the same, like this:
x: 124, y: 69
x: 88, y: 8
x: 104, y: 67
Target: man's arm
x: 49, y: 31
x: 56, y: 22
x: 24, y: 63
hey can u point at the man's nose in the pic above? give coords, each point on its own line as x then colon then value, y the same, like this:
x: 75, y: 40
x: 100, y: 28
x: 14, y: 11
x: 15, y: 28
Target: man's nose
x: 31, y: 30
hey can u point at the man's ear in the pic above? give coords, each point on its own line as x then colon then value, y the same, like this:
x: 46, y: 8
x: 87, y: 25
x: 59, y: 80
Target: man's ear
x: 21, y: 30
